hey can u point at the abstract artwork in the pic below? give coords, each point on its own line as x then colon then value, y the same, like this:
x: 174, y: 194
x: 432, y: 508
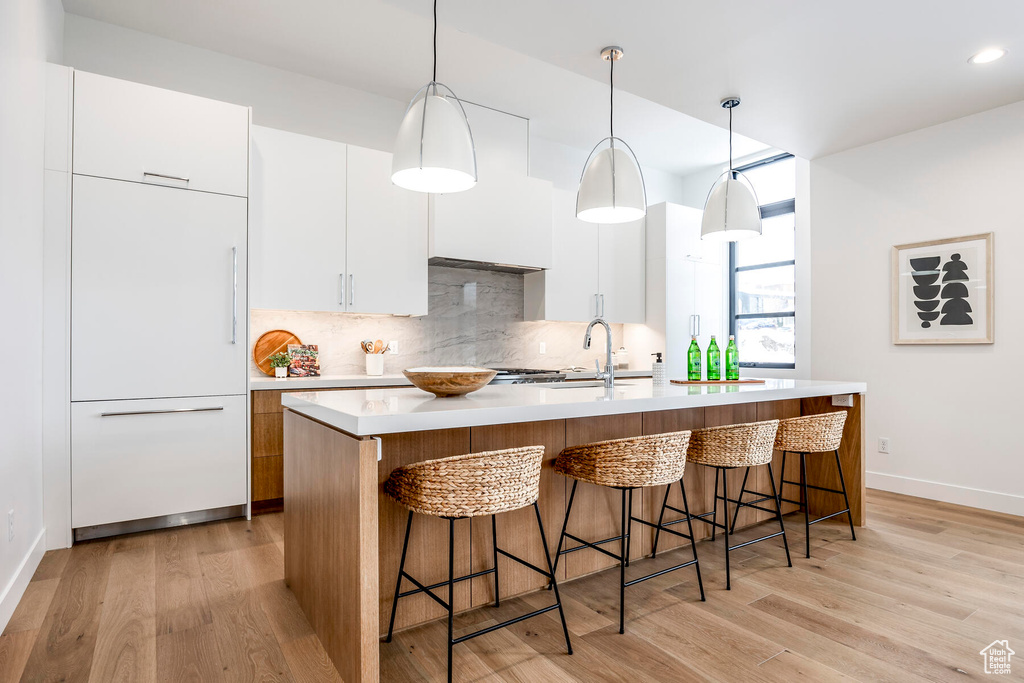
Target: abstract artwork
x: 942, y: 291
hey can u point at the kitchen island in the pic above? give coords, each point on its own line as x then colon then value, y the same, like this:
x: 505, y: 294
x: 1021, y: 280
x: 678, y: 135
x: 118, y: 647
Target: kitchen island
x: 343, y: 538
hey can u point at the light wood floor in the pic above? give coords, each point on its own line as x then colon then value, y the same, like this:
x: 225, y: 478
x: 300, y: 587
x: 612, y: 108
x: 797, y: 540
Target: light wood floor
x: 926, y: 586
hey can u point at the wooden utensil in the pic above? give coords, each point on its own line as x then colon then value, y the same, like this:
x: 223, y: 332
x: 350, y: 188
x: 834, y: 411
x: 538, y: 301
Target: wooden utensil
x: 378, y: 346
x: 269, y: 343
x: 367, y: 346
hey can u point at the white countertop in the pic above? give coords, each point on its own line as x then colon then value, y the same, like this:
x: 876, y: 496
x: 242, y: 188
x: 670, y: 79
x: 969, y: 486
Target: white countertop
x: 386, y: 411
x: 390, y: 380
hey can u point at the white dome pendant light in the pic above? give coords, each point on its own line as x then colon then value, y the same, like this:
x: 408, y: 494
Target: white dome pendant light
x: 731, y: 211
x: 612, y: 185
x: 434, y: 150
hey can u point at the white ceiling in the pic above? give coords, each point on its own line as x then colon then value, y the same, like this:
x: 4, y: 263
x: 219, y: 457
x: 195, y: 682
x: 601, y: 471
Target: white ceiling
x: 815, y: 77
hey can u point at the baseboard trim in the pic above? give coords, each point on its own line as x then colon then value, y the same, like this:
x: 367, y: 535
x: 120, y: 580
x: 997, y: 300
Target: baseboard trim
x: 947, y: 493
x: 15, y: 588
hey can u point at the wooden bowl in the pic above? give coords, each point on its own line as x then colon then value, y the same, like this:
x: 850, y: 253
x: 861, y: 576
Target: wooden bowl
x: 454, y: 381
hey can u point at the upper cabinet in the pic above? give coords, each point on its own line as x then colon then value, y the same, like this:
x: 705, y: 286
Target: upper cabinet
x: 596, y: 271
x: 129, y: 131
x: 329, y: 230
x: 506, y: 217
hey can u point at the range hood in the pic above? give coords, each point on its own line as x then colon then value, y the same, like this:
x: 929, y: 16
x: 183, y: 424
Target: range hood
x: 481, y: 265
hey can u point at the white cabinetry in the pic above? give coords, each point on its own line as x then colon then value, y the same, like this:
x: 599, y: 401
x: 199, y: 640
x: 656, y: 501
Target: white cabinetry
x: 506, y: 217
x: 597, y: 270
x: 130, y: 131
x: 330, y: 232
x: 158, y: 304
x: 140, y: 459
x: 685, y: 284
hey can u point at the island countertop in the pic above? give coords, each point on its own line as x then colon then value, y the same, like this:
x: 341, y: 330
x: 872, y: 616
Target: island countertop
x: 388, y: 411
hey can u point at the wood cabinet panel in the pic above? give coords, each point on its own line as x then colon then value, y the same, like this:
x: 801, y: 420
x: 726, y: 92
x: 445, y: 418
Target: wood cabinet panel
x: 821, y: 469
x: 267, y: 435
x: 266, y: 401
x: 267, y: 478
x: 517, y: 530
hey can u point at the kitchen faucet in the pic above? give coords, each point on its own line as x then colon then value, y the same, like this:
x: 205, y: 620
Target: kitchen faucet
x: 609, y: 370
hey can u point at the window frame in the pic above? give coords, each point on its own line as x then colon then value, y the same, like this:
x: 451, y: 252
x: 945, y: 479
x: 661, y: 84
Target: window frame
x: 780, y: 208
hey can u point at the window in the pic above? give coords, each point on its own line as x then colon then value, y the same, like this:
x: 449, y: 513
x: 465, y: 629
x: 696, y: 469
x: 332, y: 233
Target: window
x: 762, y: 271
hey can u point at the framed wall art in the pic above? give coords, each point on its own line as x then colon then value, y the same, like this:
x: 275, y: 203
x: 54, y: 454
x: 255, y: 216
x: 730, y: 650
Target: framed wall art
x: 942, y: 291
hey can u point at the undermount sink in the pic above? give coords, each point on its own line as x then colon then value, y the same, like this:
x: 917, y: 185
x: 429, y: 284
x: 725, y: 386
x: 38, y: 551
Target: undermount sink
x: 583, y: 385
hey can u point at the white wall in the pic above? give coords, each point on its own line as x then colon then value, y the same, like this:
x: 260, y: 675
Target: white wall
x: 30, y: 34
x: 951, y: 412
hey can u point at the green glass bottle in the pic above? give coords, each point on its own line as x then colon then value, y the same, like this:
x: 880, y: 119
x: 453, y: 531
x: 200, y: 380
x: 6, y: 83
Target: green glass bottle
x: 714, y: 361
x: 732, y: 360
x: 693, y: 361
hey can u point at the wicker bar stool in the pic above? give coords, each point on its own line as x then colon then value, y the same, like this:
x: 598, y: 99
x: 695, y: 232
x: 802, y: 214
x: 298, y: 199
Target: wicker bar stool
x: 474, y: 485
x: 806, y: 435
x: 724, y: 448
x: 627, y: 464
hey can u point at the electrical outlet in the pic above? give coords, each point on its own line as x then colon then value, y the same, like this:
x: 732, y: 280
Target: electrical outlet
x: 883, y: 444
x: 543, y: 348
x: 393, y: 346
x: 843, y: 401
x: 10, y: 525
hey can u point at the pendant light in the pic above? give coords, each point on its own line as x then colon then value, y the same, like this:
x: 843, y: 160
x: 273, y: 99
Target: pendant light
x: 434, y: 150
x: 731, y: 211
x: 612, y: 185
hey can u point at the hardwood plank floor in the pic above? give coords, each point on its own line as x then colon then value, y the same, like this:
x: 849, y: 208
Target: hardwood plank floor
x: 923, y: 590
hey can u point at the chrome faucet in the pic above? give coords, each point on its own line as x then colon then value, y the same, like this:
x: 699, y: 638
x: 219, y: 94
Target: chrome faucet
x: 609, y: 370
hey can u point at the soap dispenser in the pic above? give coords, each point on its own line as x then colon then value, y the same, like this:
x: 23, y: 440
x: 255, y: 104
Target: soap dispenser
x: 658, y: 370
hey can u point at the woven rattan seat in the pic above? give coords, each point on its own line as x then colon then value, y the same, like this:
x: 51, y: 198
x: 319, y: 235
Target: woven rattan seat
x: 633, y: 462
x: 812, y: 433
x: 471, y: 485
x: 743, y: 445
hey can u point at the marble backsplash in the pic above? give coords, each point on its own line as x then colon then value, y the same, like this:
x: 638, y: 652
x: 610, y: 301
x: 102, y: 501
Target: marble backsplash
x: 475, y: 317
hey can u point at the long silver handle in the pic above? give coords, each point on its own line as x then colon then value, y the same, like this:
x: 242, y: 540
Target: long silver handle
x: 351, y: 289
x: 234, y: 295
x: 162, y: 412
x: 341, y: 301
x: 597, y: 306
x: 602, y: 305
x: 167, y: 177
x: 696, y: 326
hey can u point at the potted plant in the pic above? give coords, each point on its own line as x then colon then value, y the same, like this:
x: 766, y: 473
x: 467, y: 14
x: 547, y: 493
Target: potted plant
x: 280, y: 363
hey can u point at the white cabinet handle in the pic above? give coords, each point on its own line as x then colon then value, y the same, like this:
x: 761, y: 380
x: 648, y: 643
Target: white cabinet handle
x: 597, y: 306
x: 162, y: 412
x: 351, y: 289
x: 234, y: 295
x: 166, y: 177
x: 694, y: 325
x: 602, y: 305
x: 341, y: 301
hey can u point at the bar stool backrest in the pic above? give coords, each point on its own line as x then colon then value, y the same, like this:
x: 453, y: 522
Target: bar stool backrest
x: 625, y: 463
x: 471, y: 485
x: 743, y: 445
x: 811, y: 433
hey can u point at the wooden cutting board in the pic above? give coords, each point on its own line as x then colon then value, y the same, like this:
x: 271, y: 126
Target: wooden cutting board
x: 722, y: 381
x: 269, y: 343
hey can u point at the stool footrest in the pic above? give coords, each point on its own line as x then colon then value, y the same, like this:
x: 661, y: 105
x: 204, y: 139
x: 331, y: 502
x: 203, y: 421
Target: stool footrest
x: 757, y: 540
x: 664, y: 525
x: 593, y: 545
x: 659, y: 573
x: 812, y: 486
x: 508, y: 622
x: 834, y: 514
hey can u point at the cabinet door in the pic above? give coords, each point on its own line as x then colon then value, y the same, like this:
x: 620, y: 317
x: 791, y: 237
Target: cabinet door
x: 297, y: 222
x: 621, y: 272
x: 568, y: 291
x: 139, y: 459
x: 140, y: 133
x: 158, y: 292
x: 709, y: 302
x: 387, y: 239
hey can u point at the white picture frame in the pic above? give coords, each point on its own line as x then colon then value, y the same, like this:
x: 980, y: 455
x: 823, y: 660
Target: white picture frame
x: 943, y: 291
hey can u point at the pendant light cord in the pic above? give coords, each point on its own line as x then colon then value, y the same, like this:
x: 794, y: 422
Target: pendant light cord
x: 730, y: 140
x: 611, y: 96
x: 434, y: 77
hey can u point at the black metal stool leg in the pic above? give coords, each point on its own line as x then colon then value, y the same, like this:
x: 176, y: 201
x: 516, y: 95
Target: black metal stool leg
x: 807, y: 500
x: 714, y: 516
x: 629, y: 524
x: 554, y: 583
x: 725, y: 527
x: 565, y: 524
x: 494, y: 537
x: 778, y: 513
x: 743, y: 489
x: 451, y: 591
x: 398, y: 582
x: 693, y: 540
x: 622, y: 567
x: 842, y: 482
x: 661, y: 518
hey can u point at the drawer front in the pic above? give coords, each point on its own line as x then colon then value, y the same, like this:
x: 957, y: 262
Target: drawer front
x: 154, y: 457
x: 130, y: 131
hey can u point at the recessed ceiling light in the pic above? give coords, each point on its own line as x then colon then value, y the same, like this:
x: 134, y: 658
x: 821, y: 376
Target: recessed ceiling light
x: 989, y: 54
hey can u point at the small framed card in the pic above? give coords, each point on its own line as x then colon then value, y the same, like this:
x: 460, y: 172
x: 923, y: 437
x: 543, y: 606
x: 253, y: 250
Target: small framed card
x: 305, y: 360
x: 942, y: 291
